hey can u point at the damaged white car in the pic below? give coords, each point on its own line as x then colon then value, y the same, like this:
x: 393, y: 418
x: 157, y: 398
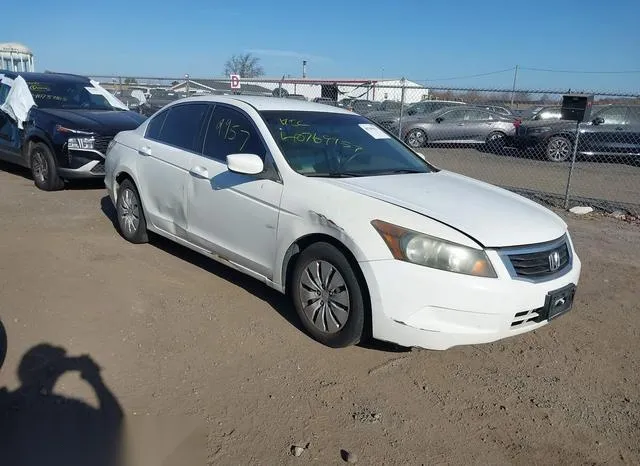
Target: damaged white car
x: 365, y: 236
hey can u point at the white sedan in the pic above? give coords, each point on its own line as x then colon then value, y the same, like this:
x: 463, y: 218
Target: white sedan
x: 364, y: 235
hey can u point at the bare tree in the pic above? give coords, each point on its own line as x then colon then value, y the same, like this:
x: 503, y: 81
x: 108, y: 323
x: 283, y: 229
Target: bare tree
x: 246, y: 65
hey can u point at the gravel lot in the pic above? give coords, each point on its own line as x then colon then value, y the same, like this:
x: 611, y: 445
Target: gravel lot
x: 176, y: 334
x: 616, y: 182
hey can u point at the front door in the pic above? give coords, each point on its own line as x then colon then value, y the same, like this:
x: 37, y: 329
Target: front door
x: 452, y: 127
x: 165, y: 157
x: 230, y: 214
x: 611, y: 136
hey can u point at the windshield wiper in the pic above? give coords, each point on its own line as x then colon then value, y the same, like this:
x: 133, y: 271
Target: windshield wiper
x: 333, y: 175
x: 398, y: 171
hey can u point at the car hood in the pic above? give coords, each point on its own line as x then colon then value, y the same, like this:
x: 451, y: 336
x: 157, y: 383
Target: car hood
x: 492, y: 216
x: 100, y: 121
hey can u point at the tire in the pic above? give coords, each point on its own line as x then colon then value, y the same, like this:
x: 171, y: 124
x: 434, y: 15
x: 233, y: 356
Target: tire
x: 496, y: 140
x: 328, y: 296
x: 416, y: 138
x: 559, y: 149
x: 131, y: 221
x: 44, y: 168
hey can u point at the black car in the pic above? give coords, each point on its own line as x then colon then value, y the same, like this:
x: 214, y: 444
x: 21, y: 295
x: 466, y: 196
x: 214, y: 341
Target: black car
x: 613, y: 131
x: 66, y: 133
x: 157, y: 100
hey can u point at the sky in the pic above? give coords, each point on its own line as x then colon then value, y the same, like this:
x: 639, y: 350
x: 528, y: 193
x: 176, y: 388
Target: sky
x: 443, y: 43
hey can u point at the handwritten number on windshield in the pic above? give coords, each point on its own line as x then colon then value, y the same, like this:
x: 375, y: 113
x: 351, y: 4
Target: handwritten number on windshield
x: 228, y: 132
x: 313, y: 138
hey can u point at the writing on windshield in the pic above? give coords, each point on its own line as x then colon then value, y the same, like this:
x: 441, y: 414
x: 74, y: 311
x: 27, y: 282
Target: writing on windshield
x: 66, y: 95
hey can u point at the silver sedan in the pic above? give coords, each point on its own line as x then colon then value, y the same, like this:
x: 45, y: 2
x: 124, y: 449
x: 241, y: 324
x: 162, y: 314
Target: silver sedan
x: 458, y: 125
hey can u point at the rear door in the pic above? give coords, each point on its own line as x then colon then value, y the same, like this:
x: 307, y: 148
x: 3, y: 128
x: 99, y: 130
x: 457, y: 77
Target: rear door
x: 451, y: 128
x: 165, y: 157
x: 477, y: 125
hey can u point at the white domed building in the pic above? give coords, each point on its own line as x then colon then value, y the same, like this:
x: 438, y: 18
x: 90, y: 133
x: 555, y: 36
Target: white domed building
x: 16, y: 57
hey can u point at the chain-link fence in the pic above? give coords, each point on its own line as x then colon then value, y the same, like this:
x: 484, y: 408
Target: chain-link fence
x: 508, y: 137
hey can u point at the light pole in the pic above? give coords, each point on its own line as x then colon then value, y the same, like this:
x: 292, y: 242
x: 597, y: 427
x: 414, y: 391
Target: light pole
x: 186, y: 76
x: 304, y: 69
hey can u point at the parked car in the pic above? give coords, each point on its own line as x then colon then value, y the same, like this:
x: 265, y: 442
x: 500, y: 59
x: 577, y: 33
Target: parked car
x: 466, y: 125
x: 361, y: 232
x: 391, y: 119
x: 325, y: 100
x: 613, y: 131
x: 58, y: 125
x: 157, y: 100
x: 363, y: 106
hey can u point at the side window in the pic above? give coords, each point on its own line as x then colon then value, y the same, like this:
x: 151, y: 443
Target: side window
x: 4, y: 91
x: 155, y: 126
x: 476, y: 115
x: 455, y: 115
x: 231, y: 132
x: 614, y: 116
x: 634, y: 115
x: 182, y: 125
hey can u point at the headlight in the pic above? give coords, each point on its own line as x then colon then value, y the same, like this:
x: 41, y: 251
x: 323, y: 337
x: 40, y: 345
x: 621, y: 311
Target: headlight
x: 81, y: 143
x: 421, y: 249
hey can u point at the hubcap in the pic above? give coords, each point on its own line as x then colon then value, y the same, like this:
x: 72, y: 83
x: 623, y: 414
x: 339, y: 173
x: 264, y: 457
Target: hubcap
x: 416, y: 138
x: 39, y: 166
x: 324, y: 296
x: 559, y: 150
x: 130, y: 211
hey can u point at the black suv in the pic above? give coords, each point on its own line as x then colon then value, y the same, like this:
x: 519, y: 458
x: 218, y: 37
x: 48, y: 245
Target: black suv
x: 614, y: 130
x: 65, y: 129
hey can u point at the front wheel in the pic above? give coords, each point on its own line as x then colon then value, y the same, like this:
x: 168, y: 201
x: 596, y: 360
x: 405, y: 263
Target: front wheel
x: 496, y: 140
x: 327, y: 296
x: 559, y: 149
x: 44, y: 168
x: 416, y: 138
x: 131, y: 221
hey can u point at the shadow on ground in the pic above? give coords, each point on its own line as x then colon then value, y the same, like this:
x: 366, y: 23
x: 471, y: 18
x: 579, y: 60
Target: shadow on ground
x: 39, y: 427
x: 279, y: 302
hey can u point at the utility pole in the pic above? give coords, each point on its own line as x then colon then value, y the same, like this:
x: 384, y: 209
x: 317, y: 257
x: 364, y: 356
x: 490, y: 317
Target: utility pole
x: 513, y: 89
x: 304, y: 69
x: 186, y: 77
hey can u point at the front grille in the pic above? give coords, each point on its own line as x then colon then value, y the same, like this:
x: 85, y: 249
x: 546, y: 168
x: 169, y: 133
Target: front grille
x: 538, y: 262
x: 101, y: 143
x: 98, y: 168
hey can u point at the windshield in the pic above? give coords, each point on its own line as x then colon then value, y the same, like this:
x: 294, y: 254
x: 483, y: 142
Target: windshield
x: 67, y: 95
x: 338, y: 145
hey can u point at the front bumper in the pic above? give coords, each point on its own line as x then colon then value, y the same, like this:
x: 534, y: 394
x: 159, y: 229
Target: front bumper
x: 83, y: 164
x: 413, y: 305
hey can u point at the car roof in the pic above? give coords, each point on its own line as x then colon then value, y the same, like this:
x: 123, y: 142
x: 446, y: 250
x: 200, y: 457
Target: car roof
x: 261, y: 103
x: 46, y: 77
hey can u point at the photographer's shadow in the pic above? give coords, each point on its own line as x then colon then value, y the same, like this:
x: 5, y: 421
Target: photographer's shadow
x: 39, y: 427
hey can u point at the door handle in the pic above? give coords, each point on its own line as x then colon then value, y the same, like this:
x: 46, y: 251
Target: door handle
x: 199, y: 172
x: 144, y: 150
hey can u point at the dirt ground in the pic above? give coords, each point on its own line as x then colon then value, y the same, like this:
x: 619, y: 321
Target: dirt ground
x: 178, y: 335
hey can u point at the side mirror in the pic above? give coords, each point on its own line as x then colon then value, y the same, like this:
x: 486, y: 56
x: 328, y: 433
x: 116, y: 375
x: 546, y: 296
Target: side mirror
x: 245, y: 164
x: 439, y: 120
x: 598, y: 121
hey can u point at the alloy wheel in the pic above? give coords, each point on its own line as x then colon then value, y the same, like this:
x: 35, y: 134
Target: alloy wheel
x: 416, y: 138
x: 39, y: 166
x: 324, y: 296
x: 130, y: 211
x: 558, y: 150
